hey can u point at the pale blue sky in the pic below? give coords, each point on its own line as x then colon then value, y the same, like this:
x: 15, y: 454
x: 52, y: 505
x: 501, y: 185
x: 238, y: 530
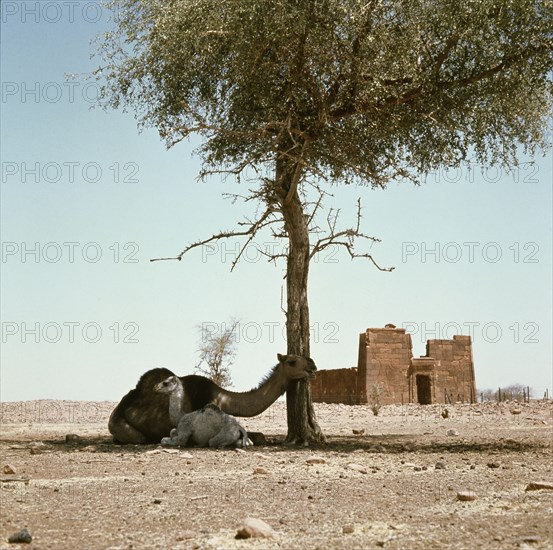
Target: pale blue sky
x: 112, y: 191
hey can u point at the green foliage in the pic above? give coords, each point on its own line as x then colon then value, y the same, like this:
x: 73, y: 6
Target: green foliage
x: 353, y: 90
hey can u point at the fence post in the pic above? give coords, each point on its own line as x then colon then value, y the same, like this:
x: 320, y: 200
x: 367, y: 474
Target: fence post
x: 499, y: 395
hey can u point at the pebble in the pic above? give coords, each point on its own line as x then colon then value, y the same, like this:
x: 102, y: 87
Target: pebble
x: 260, y: 470
x: 493, y: 464
x: 440, y: 465
x: 35, y: 451
x: 466, y: 496
x: 358, y: 432
x: 21, y: 537
x: 357, y: 468
x: 452, y: 432
x: 186, y: 535
x: 262, y: 455
x: 315, y: 460
x: 530, y: 538
x: 348, y: 529
x: 537, y: 485
x: 73, y: 439
x: 254, y: 528
x: 9, y: 469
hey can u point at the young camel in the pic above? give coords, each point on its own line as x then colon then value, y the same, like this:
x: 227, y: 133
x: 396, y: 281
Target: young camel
x: 142, y: 416
x: 208, y: 427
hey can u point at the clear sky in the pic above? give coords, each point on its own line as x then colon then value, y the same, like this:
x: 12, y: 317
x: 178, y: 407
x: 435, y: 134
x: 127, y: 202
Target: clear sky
x: 86, y: 201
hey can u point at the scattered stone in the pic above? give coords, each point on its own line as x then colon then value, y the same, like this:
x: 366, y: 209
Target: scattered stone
x: 184, y: 454
x: 260, y: 470
x: 538, y: 485
x: 348, y: 529
x: 440, y: 465
x: 315, y: 460
x: 261, y: 455
x: 157, y: 501
x: 358, y: 432
x: 239, y: 450
x: 516, y: 411
x: 21, y: 537
x: 72, y: 439
x: 254, y: 528
x: 452, y: 432
x: 357, y: 468
x: 36, y: 451
x: 530, y: 538
x: 417, y: 468
x: 445, y: 413
x: 494, y: 464
x: 9, y: 469
x: 466, y: 496
x: 186, y: 535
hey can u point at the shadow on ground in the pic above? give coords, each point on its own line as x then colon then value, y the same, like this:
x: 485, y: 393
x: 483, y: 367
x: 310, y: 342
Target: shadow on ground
x: 383, y: 444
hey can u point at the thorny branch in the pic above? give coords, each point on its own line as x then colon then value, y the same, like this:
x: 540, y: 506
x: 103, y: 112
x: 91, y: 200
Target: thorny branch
x: 346, y: 238
x: 250, y: 232
x: 265, y: 194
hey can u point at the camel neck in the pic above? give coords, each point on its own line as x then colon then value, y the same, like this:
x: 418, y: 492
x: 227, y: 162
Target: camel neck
x: 175, y: 404
x: 254, y: 402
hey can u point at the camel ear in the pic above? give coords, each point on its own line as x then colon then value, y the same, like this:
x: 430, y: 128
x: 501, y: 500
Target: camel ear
x: 281, y: 357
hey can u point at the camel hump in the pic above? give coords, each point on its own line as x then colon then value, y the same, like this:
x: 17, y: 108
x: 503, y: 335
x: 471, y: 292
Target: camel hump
x: 152, y: 377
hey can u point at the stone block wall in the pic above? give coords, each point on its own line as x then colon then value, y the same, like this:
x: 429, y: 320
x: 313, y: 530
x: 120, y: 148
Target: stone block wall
x: 384, y: 359
x: 455, y: 379
x: 445, y: 374
x: 336, y: 386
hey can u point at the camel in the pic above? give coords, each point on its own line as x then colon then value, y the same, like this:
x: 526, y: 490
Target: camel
x: 208, y: 427
x: 142, y: 416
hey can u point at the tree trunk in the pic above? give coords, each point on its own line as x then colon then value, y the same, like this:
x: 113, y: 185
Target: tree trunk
x: 302, y: 424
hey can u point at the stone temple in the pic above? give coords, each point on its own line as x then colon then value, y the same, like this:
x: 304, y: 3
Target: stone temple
x: 444, y: 375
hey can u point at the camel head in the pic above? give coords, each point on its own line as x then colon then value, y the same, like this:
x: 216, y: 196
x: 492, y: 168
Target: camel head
x: 168, y: 385
x: 296, y: 366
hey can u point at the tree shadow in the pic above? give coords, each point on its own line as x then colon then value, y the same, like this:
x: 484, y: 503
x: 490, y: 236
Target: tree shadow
x: 382, y: 444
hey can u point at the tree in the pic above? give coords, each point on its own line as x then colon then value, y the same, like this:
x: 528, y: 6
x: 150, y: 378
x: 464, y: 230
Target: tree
x: 217, y: 351
x: 310, y: 91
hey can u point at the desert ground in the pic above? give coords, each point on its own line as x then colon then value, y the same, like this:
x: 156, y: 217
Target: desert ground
x: 399, y: 485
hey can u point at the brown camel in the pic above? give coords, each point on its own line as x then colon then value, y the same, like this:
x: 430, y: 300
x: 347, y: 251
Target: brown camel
x: 142, y: 416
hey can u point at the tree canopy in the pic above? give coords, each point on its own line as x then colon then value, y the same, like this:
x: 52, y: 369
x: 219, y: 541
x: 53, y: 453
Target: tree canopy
x: 362, y: 90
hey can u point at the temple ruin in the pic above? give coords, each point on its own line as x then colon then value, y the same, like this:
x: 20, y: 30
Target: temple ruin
x: 444, y: 375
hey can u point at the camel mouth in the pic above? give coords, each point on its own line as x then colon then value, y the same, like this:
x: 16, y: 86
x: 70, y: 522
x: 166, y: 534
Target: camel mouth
x: 311, y: 374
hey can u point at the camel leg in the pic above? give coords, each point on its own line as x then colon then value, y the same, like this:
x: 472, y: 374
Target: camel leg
x: 123, y: 433
x: 226, y: 437
x: 180, y: 439
x: 244, y: 440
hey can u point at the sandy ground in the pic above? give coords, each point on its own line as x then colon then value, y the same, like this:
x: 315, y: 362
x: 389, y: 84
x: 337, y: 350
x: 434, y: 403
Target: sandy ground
x: 396, y: 486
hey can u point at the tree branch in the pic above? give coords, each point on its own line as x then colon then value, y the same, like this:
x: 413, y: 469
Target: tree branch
x: 250, y: 232
x: 346, y: 238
